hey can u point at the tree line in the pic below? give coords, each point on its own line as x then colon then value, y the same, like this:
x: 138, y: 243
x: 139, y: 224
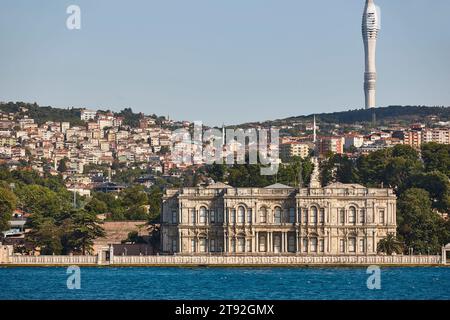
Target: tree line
x: 420, y: 179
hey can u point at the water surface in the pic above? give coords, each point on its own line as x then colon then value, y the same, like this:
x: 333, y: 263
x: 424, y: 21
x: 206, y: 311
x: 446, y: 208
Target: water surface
x: 225, y: 283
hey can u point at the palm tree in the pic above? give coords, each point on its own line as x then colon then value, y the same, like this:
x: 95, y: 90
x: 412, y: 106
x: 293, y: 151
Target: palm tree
x: 389, y: 245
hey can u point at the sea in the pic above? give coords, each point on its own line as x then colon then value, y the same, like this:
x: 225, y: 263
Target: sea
x: 176, y: 283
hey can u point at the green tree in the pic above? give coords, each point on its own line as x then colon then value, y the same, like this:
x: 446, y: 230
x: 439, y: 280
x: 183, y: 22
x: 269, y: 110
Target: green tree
x: 155, y: 200
x: 41, y: 200
x: 133, y: 196
x: 81, y: 231
x: 134, y: 237
x: 436, y: 157
x: 418, y: 226
x: 390, y: 245
x: 8, y: 202
x: 46, y: 237
x: 96, y: 206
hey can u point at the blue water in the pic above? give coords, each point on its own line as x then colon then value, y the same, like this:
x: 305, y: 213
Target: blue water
x: 225, y: 283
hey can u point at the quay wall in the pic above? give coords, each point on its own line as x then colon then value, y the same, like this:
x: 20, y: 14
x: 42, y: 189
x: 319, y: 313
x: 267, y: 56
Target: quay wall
x: 7, y: 258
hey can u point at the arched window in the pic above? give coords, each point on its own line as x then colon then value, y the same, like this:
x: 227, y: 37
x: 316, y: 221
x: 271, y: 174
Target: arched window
x: 313, y: 215
x: 241, y: 214
x: 277, y: 215
x: 202, y: 215
x: 352, y: 215
x: 263, y: 215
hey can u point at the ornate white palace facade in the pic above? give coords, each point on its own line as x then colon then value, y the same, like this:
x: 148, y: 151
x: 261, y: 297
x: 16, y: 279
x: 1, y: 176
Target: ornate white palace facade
x: 339, y: 219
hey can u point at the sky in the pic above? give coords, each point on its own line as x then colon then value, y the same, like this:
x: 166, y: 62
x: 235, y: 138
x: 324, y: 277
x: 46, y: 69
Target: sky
x: 221, y: 61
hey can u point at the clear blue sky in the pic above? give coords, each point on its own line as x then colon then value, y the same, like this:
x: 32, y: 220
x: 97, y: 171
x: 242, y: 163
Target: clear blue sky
x: 220, y: 61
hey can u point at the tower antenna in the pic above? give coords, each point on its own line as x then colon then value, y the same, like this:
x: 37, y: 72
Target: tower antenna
x: 370, y: 30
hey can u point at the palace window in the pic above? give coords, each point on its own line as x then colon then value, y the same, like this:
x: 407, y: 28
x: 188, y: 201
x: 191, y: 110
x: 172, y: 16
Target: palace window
x: 291, y: 215
x: 212, y: 245
x: 299, y: 215
x: 313, y: 215
x: 193, y: 245
x: 362, y: 247
x: 352, y: 244
x: 241, y: 244
x: 174, y: 245
x: 174, y: 216
x: 263, y: 215
x: 342, y: 216
x: 305, y: 245
x: 382, y: 216
x: 322, y: 216
x: 362, y: 216
x: 277, y: 243
x: 220, y: 215
x: 248, y: 246
x: 262, y: 243
x: 277, y: 215
x: 202, y: 215
x: 291, y: 243
x: 241, y: 214
x: 233, y: 245
x: 321, y: 245
x: 305, y: 216
x: 202, y: 244
x: 342, y: 245
x: 212, y: 216
x: 193, y: 216
x: 233, y: 216
x: 249, y: 215
x: 313, y: 244
x: 352, y: 215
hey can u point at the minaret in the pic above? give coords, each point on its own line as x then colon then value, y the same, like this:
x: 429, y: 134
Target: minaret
x: 314, y: 131
x: 315, y: 176
x: 370, y: 28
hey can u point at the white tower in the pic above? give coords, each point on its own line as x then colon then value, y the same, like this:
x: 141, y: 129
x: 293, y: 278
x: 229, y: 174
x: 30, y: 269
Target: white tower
x: 370, y: 28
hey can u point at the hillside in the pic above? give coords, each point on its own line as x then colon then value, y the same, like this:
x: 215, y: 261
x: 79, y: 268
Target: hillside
x: 42, y: 114
x: 391, y: 114
x: 397, y: 114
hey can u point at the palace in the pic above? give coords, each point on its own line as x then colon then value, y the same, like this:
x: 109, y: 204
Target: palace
x: 338, y: 219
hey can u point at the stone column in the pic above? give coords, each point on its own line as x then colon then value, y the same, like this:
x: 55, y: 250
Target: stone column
x: 269, y: 240
x: 286, y: 242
